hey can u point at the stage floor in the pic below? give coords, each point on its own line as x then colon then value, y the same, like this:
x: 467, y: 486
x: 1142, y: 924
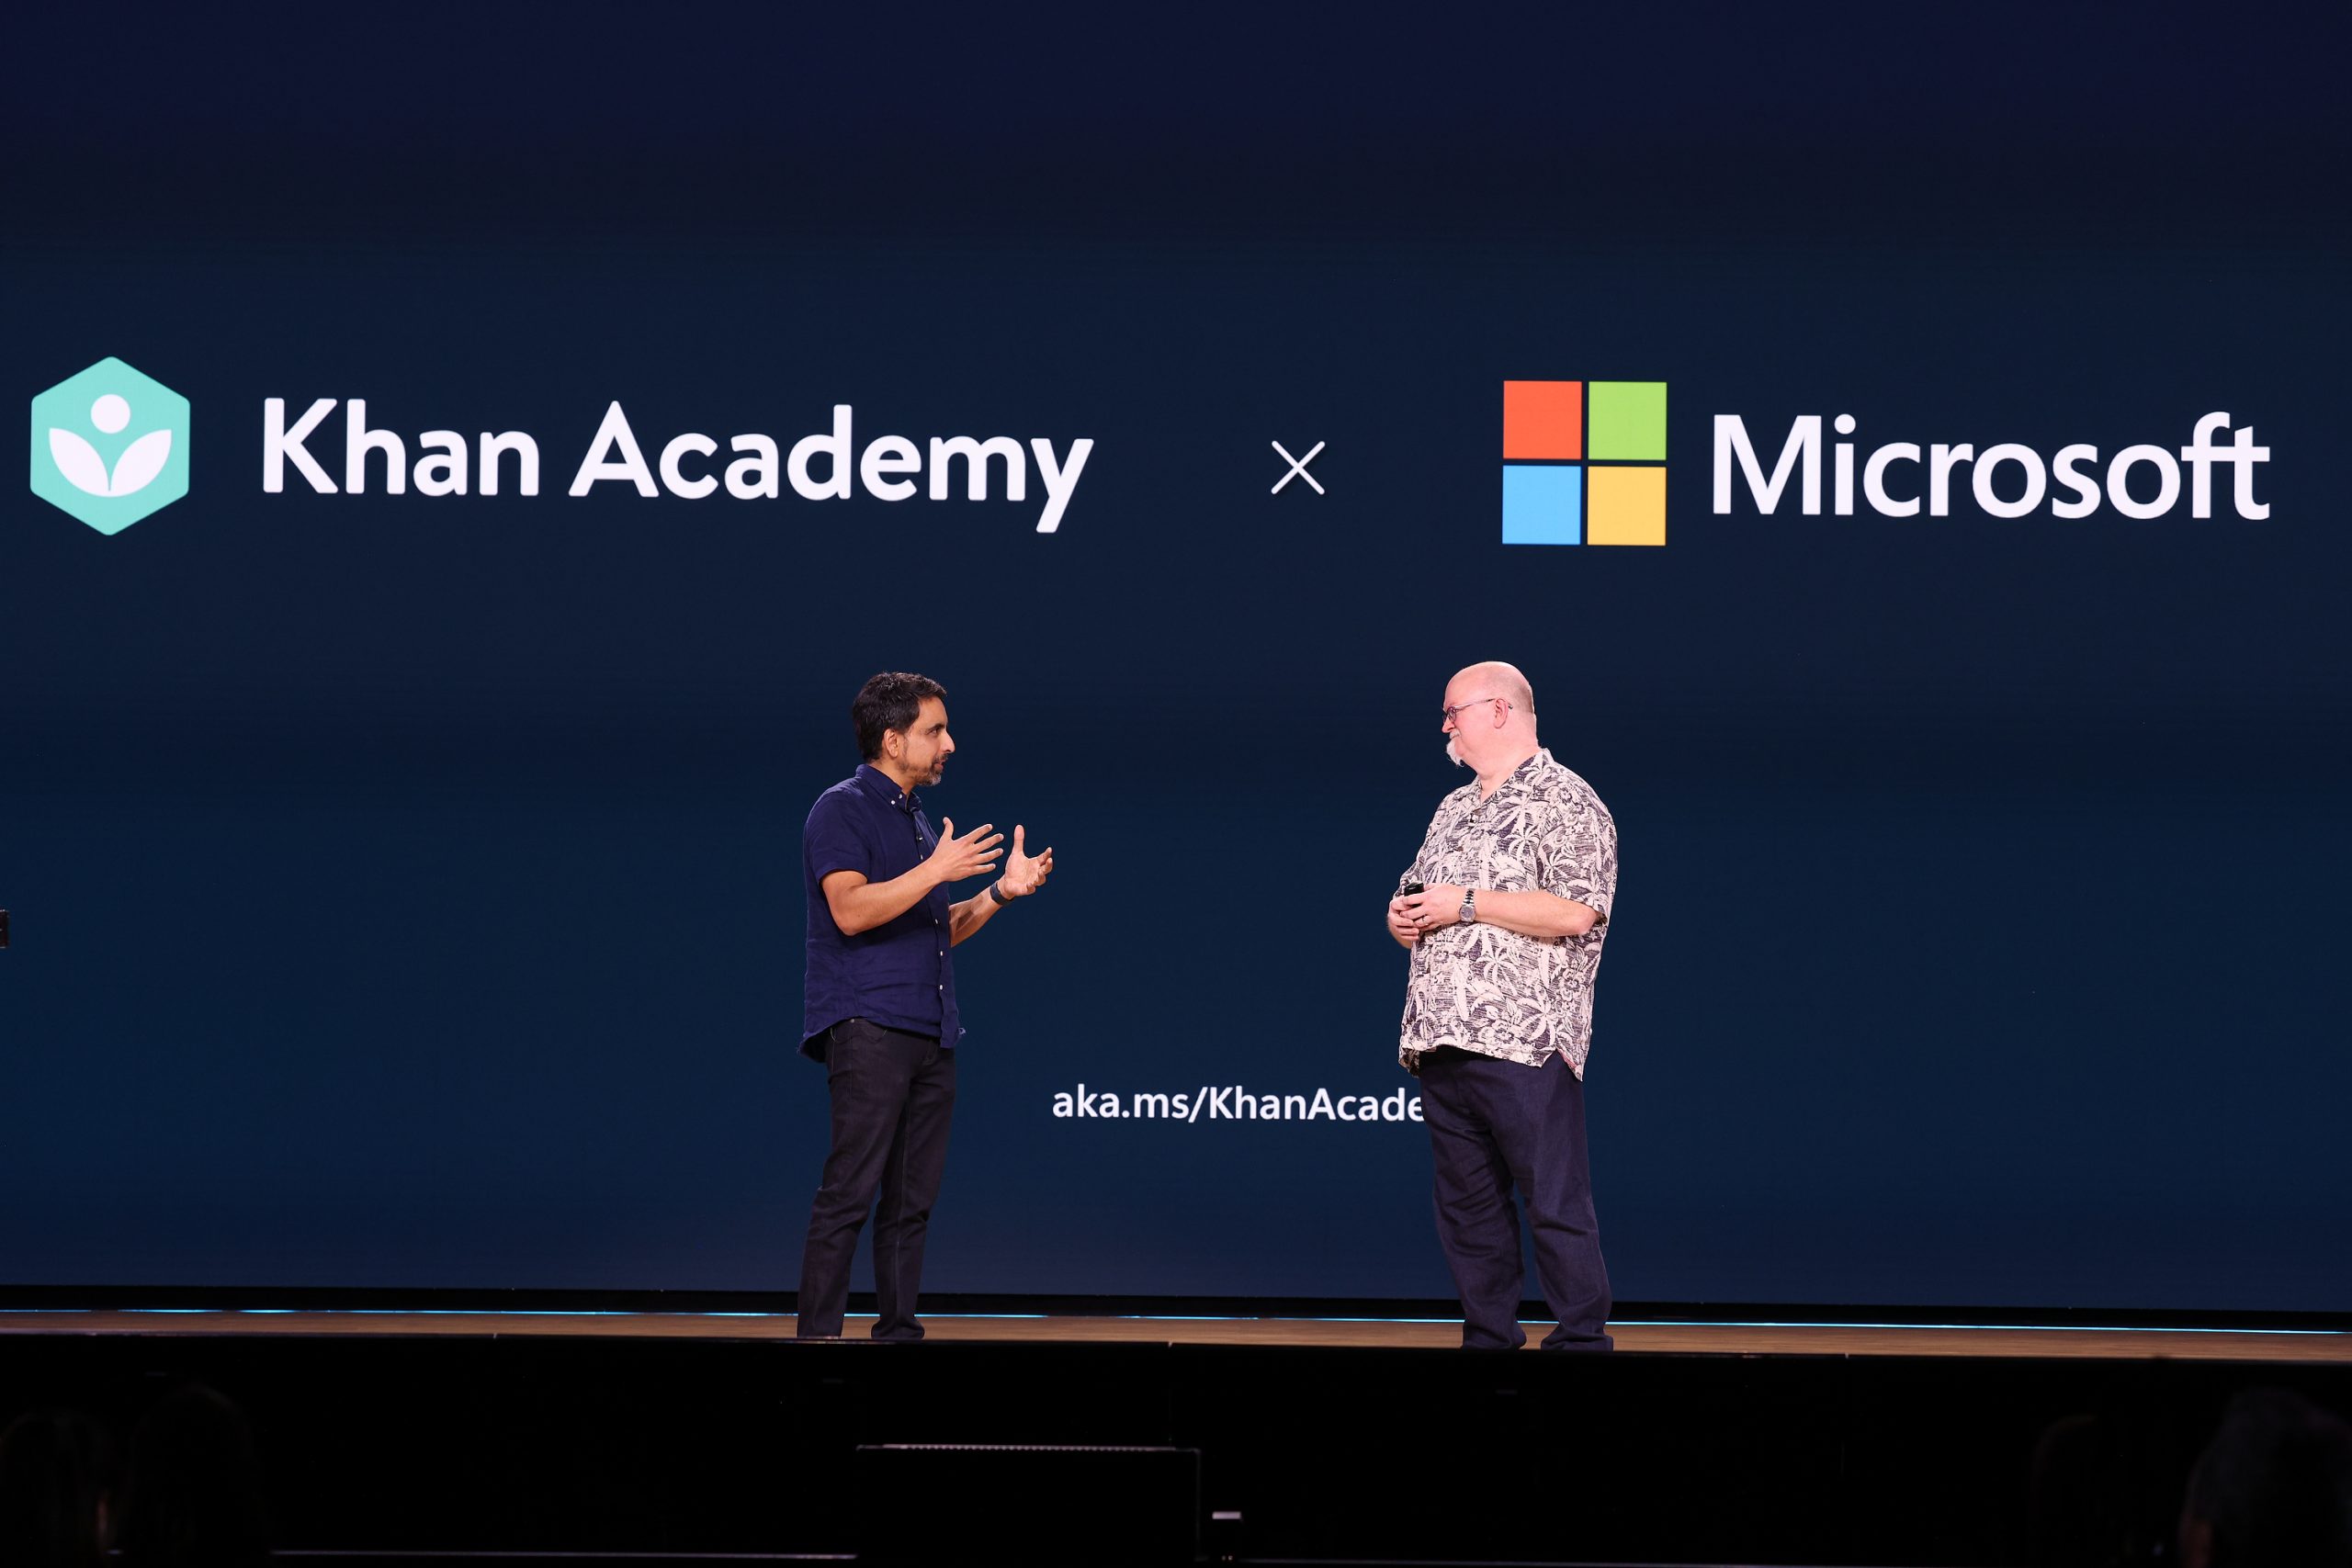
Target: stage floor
x: 1682, y: 1338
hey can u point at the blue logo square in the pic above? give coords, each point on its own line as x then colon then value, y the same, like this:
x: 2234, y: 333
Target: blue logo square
x: 1543, y: 504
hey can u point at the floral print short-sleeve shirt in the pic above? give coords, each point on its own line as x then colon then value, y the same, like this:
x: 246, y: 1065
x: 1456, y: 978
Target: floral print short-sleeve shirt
x: 1495, y: 992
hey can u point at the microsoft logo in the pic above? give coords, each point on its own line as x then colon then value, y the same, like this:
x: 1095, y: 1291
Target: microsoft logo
x: 1584, y: 463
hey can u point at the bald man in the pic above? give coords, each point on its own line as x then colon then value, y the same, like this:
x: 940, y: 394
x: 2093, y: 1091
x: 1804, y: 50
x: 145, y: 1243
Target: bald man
x: 1516, y: 876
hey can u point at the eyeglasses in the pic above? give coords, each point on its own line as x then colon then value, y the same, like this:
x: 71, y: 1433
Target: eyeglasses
x: 1454, y: 713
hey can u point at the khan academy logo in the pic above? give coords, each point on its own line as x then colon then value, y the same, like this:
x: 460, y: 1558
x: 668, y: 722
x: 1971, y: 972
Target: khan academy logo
x: 110, y: 446
x: 1584, y: 463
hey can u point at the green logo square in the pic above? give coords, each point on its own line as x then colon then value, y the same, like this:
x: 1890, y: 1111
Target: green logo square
x: 110, y: 446
x: 1626, y: 421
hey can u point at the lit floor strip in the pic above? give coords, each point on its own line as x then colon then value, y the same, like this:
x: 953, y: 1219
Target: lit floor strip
x: 1169, y: 1317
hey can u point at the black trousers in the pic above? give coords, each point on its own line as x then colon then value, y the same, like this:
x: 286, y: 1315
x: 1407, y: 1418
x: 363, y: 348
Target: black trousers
x: 1495, y: 1125
x: 893, y: 1096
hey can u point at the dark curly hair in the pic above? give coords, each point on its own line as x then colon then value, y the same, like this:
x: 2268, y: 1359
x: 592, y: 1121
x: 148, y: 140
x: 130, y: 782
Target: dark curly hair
x: 889, y: 701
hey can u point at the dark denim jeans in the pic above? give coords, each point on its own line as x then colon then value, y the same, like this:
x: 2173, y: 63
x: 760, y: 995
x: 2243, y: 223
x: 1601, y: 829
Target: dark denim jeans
x: 893, y: 1096
x: 1495, y: 1125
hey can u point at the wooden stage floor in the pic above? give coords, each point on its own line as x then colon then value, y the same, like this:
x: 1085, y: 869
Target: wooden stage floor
x: 1687, y: 1339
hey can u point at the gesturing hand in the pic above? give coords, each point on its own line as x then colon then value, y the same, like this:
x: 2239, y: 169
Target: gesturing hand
x: 1024, y: 874
x: 954, y: 859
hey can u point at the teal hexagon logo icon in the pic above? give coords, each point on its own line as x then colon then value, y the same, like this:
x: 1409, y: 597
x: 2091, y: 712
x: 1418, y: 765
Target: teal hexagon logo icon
x: 110, y: 446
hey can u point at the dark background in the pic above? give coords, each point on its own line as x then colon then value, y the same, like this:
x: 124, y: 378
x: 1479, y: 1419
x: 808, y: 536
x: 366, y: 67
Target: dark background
x: 406, y: 890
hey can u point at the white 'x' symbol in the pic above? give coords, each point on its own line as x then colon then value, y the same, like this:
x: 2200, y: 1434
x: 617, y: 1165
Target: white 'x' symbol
x: 1297, y: 468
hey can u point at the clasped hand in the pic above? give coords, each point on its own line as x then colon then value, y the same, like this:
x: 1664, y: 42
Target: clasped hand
x: 1416, y: 915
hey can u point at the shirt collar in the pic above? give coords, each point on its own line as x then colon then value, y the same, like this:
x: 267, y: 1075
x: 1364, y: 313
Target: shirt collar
x: 876, y: 783
x: 1524, y: 774
x: 1521, y: 778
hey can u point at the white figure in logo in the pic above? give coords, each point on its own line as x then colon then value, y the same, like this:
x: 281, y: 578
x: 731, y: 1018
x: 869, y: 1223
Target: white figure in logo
x: 133, y: 471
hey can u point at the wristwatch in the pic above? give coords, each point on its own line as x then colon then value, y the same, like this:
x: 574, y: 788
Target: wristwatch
x: 1469, y: 915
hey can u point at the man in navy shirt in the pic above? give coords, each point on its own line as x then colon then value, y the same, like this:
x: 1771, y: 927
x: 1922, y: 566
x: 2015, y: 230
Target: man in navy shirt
x: 880, y: 1009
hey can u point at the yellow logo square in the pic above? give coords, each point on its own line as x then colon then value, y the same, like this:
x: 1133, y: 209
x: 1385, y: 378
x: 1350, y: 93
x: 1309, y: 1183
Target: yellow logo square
x: 1624, y: 504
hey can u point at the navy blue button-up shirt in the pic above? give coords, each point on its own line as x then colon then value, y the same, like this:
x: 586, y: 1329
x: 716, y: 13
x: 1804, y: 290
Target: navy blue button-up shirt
x: 899, y: 973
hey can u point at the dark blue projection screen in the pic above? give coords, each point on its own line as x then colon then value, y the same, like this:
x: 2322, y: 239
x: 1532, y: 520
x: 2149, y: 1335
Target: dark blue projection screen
x: 1931, y: 548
